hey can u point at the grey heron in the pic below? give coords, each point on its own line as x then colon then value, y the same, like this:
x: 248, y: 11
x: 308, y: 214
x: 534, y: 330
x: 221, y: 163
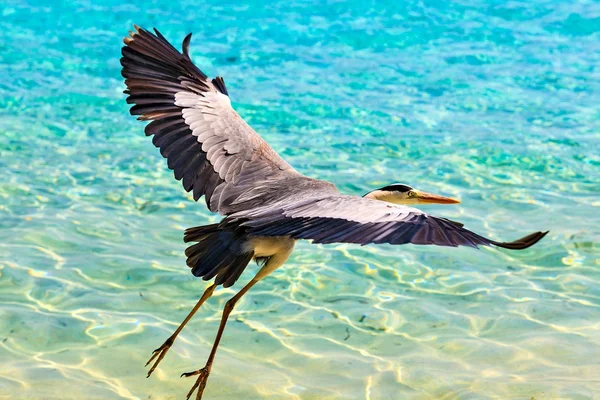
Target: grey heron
x: 267, y: 205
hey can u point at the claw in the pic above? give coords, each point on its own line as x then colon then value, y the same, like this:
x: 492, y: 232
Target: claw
x: 188, y: 374
x: 200, y: 383
x: 159, y: 354
x: 154, y: 354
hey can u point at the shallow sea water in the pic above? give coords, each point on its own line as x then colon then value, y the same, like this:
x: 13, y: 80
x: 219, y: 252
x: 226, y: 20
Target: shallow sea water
x: 493, y: 102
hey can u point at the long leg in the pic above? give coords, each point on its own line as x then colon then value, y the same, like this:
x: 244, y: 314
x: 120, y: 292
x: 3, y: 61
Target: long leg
x: 271, y: 265
x: 160, y: 353
x: 204, y: 372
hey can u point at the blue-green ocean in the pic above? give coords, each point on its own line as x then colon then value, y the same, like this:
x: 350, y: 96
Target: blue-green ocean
x: 493, y: 102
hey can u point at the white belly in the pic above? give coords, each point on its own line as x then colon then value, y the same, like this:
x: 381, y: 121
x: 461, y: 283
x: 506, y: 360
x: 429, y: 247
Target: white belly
x: 264, y: 246
x: 276, y: 249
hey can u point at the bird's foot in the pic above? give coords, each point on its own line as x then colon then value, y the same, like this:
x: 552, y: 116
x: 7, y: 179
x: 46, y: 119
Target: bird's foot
x: 200, y: 382
x: 159, y: 354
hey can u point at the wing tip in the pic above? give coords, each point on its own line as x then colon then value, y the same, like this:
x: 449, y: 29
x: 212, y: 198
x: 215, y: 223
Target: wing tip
x: 522, y: 243
x: 185, y: 46
x: 130, y: 37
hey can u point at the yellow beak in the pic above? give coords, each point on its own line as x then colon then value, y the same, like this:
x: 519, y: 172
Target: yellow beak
x: 430, y: 198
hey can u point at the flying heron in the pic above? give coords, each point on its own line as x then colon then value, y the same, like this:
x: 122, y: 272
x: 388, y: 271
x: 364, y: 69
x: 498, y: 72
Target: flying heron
x: 267, y: 204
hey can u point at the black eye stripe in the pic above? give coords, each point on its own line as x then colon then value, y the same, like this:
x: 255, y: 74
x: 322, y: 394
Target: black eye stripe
x: 397, y: 187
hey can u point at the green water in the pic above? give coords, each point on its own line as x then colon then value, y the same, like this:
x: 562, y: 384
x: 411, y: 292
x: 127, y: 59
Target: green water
x: 493, y: 103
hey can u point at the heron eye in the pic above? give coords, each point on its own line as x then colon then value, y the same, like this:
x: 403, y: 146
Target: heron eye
x: 412, y: 193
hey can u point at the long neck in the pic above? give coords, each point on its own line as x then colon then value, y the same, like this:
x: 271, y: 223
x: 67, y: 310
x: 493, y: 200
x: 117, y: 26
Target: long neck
x: 383, y: 195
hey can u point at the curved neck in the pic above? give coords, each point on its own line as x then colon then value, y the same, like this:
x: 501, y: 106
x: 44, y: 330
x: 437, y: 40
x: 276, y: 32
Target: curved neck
x: 383, y: 195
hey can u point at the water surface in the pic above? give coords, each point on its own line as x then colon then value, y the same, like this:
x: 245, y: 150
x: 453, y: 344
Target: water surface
x: 493, y: 102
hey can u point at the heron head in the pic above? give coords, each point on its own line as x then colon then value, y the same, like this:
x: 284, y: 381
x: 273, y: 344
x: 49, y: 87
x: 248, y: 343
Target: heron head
x: 399, y: 193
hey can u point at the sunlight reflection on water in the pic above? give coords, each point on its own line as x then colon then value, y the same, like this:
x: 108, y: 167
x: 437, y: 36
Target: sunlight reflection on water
x: 491, y: 103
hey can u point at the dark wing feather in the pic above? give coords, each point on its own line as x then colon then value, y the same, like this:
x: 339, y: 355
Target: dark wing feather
x: 205, y: 141
x: 349, y: 219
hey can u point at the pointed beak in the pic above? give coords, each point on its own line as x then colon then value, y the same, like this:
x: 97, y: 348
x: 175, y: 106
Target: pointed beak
x: 430, y: 198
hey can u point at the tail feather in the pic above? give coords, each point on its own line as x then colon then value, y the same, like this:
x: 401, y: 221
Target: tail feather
x: 198, y: 232
x: 231, y: 274
x: 218, y: 253
x: 216, y: 265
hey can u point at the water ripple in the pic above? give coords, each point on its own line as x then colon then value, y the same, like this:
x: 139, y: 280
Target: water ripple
x: 495, y: 104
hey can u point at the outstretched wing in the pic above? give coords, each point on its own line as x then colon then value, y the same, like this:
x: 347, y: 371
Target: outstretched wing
x: 350, y: 219
x: 205, y: 141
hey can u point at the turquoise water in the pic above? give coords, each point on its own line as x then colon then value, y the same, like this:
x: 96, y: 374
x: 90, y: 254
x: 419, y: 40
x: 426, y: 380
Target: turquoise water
x: 493, y: 102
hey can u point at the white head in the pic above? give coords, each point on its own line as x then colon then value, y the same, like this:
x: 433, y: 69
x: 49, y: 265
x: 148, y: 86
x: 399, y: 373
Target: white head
x: 399, y: 193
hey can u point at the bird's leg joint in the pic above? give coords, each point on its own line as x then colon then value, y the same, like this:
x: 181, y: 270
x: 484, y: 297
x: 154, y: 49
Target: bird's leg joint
x: 229, y: 305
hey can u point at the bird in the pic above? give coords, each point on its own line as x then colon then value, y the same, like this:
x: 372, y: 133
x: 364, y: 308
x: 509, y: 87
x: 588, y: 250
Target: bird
x: 266, y: 204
